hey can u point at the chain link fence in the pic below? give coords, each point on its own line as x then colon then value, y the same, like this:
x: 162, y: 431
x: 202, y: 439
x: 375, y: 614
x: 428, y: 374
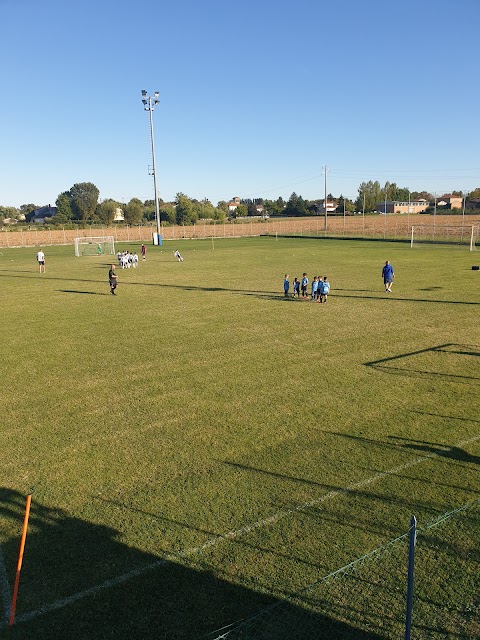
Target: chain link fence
x: 366, y: 599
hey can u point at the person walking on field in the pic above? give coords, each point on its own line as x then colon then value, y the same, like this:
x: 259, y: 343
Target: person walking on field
x: 144, y: 252
x: 388, y: 275
x: 112, y: 279
x: 41, y: 261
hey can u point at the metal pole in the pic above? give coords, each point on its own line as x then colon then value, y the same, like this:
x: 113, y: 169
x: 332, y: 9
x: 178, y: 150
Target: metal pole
x: 411, y: 566
x: 325, y: 201
x: 157, y: 210
x: 363, y: 215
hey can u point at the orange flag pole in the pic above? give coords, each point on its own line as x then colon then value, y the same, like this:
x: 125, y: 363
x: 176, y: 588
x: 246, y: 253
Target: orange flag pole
x: 20, y: 559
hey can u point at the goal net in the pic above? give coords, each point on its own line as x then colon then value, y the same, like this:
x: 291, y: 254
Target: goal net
x: 445, y: 234
x: 103, y: 245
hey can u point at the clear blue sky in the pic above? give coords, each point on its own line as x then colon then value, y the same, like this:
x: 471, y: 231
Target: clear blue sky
x: 255, y: 96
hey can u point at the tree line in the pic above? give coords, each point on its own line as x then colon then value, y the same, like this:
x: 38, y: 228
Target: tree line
x: 81, y: 204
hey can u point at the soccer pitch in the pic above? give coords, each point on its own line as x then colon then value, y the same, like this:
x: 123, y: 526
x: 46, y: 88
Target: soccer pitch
x: 198, y: 446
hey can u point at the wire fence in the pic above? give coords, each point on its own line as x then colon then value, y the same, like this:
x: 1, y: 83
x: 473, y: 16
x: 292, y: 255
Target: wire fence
x: 390, y: 227
x: 366, y: 599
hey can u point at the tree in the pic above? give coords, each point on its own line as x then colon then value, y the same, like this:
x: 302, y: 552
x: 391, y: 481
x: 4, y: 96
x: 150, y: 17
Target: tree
x: 64, y: 208
x: 84, y: 199
x: 186, y: 213
x: 134, y: 211
x: 369, y: 193
x: 168, y: 213
x: 473, y: 194
x: 241, y: 211
x: 106, y: 211
x: 296, y: 206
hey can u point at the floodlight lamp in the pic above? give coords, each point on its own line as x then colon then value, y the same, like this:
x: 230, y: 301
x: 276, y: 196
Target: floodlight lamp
x: 156, y: 95
x: 144, y: 101
x: 144, y: 93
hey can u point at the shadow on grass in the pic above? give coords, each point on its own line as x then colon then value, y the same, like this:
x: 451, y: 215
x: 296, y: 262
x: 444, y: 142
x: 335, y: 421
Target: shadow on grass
x: 262, y: 295
x: 442, y: 450
x: 91, y: 293
x: 384, y: 364
x: 80, y: 581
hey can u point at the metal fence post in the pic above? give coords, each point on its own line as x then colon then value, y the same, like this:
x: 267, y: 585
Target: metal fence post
x: 411, y: 566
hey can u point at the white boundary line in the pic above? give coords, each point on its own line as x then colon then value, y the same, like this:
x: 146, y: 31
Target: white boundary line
x: 5, y: 591
x: 231, y: 535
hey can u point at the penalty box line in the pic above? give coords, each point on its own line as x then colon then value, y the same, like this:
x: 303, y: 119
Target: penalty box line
x: 231, y: 535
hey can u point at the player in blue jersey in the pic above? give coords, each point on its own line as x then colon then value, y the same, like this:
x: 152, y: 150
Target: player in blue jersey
x: 296, y: 288
x: 286, y: 286
x: 388, y: 275
x: 314, y: 288
x: 304, y: 286
x: 324, y: 289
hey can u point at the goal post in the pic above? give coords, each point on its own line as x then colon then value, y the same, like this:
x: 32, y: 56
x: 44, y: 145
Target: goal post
x: 94, y: 246
x: 461, y: 234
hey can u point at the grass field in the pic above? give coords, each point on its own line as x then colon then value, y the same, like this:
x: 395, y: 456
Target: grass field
x: 199, y: 447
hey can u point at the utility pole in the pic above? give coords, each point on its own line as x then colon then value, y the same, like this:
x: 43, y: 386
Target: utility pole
x: 149, y: 104
x: 325, y: 201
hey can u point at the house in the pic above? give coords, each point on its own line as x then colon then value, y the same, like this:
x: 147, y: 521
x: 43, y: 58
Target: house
x: 233, y: 204
x: 474, y: 203
x: 450, y: 201
x: 395, y: 206
x: 40, y: 215
x: 331, y: 206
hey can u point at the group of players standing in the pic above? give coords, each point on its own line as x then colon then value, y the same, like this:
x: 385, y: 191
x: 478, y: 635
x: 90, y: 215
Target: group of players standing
x: 320, y: 288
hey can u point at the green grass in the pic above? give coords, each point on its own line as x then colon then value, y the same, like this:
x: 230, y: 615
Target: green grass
x: 198, y: 402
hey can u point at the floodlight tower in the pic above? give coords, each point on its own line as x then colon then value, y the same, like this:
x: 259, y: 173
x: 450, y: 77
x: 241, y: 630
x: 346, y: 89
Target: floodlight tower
x: 149, y: 104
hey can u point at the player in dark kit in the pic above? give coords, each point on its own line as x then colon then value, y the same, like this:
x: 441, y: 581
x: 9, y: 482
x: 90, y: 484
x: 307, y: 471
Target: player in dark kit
x: 112, y: 279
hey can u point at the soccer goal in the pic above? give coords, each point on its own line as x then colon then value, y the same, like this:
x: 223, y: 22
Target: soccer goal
x: 445, y: 234
x: 103, y: 245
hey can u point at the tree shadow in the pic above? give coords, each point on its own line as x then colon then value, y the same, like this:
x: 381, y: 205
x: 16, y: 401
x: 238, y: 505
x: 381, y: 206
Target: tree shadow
x: 79, y: 580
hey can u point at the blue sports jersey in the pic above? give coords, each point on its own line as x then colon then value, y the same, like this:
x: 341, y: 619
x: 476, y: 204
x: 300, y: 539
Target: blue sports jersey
x: 325, y: 287
x: 387, y: 272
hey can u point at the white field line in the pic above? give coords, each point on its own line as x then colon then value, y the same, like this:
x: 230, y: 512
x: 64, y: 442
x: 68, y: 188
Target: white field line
x: 5, y: 591
x: 231, y: 535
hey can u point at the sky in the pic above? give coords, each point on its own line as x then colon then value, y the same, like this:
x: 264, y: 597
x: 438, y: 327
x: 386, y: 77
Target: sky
x: 255, y: 97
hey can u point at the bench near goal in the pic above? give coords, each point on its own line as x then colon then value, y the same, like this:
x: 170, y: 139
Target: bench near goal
x: 103, y: 245
x: 445, y: 234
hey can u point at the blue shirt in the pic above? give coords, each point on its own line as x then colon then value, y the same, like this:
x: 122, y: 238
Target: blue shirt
x: 325, y: 287
x: 286, y: 285
x: 304, y: 282
x: 387, y: 272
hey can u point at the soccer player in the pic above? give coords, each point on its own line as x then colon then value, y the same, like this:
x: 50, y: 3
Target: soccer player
x: 304, y: 286
x: 314, y: 288
x: 178, y: 256
x: 388, y: 275
x: 324, y: 289
x: 296, y: 288
x: 144, y: 252
x: 286, y: 286
x: 112, y: 279
x: 319, y: 288
x: 41, y: 261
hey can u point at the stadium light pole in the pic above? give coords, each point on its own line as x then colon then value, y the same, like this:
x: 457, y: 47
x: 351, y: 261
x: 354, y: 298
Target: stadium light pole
x: 149, y: 104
